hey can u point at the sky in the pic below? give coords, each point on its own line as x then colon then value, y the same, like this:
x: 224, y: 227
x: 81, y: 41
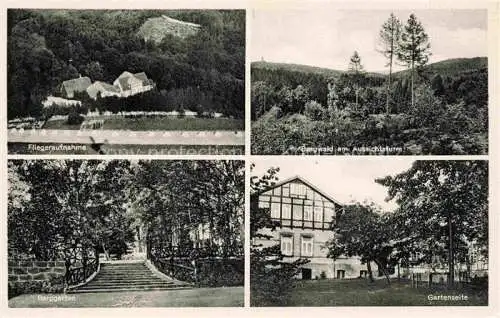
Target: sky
x: 343, y: 179
x: 327, y: 38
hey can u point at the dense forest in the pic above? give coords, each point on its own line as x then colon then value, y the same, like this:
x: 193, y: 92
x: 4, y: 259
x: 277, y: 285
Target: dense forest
x: 205, y: 70
x: 439, y: 108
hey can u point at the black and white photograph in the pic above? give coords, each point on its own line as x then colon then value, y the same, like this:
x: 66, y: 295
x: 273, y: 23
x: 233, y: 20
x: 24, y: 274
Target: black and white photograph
x: 167, y: 82
x: 371, y: 232
x: 99, y: 233
x: 369, y: 82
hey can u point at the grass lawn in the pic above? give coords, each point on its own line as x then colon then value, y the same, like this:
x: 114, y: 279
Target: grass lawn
x: 197, y: 297
x: 363, y: 293
x: 161, y: 123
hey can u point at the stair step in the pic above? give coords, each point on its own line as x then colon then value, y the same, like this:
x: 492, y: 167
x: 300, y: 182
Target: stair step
x: 107, y: 282
x: 133, y: 286
x: 106, y: 276
x: 127, y: 277
x: 108, y: 290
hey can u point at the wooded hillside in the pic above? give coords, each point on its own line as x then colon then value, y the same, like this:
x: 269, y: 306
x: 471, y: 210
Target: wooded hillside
x: 46, y: 47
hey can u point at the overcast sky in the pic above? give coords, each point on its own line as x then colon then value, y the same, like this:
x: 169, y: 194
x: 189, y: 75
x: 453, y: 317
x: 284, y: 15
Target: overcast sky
x: 328, y: 38
x: 344, y: 180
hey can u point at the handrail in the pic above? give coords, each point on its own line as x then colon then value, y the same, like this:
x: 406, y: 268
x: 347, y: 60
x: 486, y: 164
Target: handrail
x: 80, y: 274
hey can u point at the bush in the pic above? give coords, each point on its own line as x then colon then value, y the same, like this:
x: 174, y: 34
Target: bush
x: 220, y: 272
x: 75, y: 119
x: 54, y: 285
x: 314, y: 110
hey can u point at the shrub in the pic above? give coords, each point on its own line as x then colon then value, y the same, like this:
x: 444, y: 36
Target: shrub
x: 314, y: 110
x: 75, y: 119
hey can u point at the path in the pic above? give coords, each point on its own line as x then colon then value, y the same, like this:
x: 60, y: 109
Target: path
x: 196, y: 297
x: 221, y: 138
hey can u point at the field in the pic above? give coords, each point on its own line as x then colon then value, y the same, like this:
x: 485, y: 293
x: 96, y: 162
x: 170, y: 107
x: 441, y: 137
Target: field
x: 163, y: 123
x: 363, y: 293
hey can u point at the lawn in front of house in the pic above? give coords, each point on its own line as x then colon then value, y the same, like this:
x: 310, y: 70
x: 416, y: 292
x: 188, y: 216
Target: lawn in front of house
x: 360, y: 292
x: 196, y: 297
x: 158, y: 123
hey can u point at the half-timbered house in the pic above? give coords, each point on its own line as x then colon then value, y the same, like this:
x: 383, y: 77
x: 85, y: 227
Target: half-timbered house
x: 306, y: 215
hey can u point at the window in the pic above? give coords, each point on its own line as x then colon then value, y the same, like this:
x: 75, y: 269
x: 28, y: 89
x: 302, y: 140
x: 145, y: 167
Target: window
x: 318, y: 214
x: 287, y: 245
x: 309, y: 193
x: 275, y: 210
x: 286, y: 191
x: 286, y: 211
x: 297, y: 189
x: 308, y: 213
x: 297, y: 212
x: 263, y: 204
x: 329, y: 213
x: 306, y: 246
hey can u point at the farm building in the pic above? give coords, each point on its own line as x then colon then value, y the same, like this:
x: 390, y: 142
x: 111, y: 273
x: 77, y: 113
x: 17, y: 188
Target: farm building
x: 75, y: 85
x: 130, y: 84
x: 102, y: 88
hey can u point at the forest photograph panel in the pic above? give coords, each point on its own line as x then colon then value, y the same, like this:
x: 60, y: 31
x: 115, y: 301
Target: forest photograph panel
x: 102, y: 81
x: 369, y: 82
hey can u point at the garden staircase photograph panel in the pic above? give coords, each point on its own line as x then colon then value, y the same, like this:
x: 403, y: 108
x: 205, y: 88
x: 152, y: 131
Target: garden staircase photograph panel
x: 128, y: 276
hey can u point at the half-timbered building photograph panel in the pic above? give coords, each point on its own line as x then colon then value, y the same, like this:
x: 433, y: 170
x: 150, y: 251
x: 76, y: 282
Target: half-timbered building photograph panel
x: 368, y: 232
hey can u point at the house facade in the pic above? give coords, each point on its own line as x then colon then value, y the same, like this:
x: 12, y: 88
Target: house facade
x: 306, y: 215
x: 75, y: 85
x: 103, y: 89
x: 436, y: 269
x: 130, y: 84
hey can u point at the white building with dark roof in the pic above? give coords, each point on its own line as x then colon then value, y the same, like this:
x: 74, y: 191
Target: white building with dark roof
x: 130, y: 84
x: 75, y: 85
x: 102, y: 88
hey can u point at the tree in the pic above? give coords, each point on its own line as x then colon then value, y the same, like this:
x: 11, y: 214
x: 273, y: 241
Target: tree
x: 271, y: 279
x: 438, y: 85
x: 72, y: 204
x: 356, y: 72
x: 362, y: 231
x: 444, y: 205
x: 389, y: 37
x: 413, y: 49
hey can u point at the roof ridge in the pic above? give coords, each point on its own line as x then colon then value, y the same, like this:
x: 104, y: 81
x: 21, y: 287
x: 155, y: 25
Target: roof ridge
x: 305, y: 181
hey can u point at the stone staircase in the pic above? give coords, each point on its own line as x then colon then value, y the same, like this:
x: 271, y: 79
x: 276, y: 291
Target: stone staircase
x: 128, y: 276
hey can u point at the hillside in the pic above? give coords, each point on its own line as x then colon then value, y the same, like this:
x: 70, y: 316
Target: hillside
x: 206, y: 71
x: 296, y: 68
x: 453, y: 67
x: 450, y: 67
x: 155, y: 29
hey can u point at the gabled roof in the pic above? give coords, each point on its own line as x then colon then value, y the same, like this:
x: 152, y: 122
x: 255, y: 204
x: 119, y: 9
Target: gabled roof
x: 77, y: 84
x: 124, y: 78
x: 304, y: 181
x: 108, y: 87
x: 143, y: 77
x: 125, y: 74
